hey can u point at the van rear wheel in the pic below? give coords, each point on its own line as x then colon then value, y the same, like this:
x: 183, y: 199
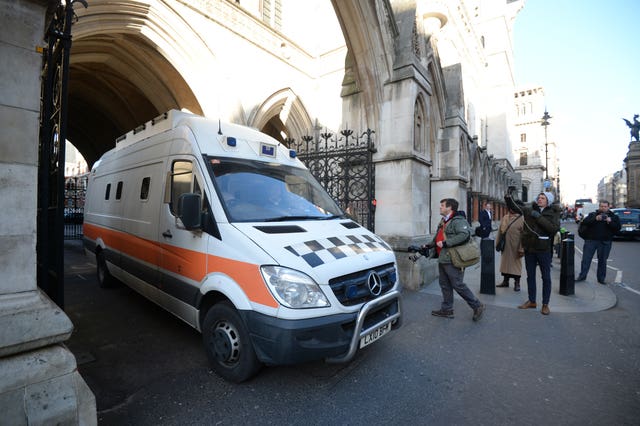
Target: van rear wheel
x: 105, y: 279
x: 228, y: 345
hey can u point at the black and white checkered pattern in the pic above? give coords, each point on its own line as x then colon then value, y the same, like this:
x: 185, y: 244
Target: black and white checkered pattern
x: 325, y: 250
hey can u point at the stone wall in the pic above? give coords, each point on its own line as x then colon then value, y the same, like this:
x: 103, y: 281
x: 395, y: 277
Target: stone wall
x: 39, y: 381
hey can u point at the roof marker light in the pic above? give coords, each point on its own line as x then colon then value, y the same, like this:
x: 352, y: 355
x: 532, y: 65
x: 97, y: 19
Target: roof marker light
x: 231, y: 141
x: 292, y: 153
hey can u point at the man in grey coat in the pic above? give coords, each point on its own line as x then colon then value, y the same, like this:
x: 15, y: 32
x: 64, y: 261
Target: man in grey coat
x: 453, y: 230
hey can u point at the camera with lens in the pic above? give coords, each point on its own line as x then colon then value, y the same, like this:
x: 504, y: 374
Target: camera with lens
x: 418, y: 251
x: 423, y: 250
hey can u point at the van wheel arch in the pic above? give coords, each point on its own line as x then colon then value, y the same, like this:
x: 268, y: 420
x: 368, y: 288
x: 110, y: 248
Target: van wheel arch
x: 105, y: 279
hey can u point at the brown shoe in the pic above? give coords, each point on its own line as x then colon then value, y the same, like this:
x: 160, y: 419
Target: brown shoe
x: 545, y: 310
x: 528, y: 305
x: 442, y: 313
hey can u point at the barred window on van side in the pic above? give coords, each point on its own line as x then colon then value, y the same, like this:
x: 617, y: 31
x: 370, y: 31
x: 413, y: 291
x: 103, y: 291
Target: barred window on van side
x: 144, y: 188
x: 119, y: 191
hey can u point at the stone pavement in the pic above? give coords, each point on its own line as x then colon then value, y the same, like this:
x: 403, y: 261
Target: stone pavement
x: 590, y: 296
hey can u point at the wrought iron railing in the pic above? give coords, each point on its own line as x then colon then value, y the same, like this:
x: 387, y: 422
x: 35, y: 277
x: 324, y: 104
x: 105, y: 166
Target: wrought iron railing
x: 343, y: 164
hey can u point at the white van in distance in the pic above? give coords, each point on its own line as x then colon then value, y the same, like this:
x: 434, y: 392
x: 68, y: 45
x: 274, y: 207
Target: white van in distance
x: 225, y: 228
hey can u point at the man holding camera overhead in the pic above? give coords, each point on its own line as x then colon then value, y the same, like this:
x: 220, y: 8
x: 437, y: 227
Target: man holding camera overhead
x: 541, y: 222
x: 599, y: 227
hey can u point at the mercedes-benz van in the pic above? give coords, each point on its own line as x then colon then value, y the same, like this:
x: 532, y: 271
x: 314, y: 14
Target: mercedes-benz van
x: 225, y: 228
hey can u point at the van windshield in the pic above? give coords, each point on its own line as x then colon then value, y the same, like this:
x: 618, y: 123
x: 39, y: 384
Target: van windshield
x: 256, y: 191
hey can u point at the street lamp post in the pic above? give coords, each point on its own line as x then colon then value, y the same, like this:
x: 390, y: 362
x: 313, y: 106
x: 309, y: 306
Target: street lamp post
x: 545, y: 123
x: 558, y: 183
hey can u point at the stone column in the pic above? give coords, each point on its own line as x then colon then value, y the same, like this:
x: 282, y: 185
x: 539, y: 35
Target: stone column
x: 39, y: 381
x: 632, y: 164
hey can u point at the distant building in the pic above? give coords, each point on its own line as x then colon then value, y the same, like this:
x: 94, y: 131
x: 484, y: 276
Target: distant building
x: 613, y: 188
x: 529, y: 148
x: 74, y: 163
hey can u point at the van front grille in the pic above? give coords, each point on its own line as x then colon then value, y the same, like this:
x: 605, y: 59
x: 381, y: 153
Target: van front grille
x: 353, y: 289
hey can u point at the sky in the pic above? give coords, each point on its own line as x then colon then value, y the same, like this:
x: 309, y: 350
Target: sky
x: 586, y: 56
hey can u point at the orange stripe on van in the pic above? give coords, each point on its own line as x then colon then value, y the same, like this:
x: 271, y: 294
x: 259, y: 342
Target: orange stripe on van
x: 185, y: 262
x: 242, y: 273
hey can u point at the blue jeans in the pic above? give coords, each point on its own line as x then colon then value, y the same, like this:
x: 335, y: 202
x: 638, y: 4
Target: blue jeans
x: 589, y: 249
x: 451, y: 279
x: 531, y: 260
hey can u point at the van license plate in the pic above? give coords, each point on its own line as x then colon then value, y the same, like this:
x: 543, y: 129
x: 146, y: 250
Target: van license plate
x: 374, y: 335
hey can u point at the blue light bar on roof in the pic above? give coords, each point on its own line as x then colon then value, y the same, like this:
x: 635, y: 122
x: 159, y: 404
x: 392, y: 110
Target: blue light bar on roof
x: 267, y: 150
x: 292, y: 153
x: 231, y: 141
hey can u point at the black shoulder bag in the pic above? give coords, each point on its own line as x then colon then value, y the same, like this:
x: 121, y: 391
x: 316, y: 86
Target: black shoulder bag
x: 502, y: 242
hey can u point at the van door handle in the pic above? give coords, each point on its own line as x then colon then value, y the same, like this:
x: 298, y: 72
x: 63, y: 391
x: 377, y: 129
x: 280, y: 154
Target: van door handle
x: 167, y: 234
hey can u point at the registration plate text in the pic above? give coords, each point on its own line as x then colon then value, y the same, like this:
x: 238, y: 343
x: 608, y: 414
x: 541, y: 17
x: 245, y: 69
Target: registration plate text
x: 375, y: 334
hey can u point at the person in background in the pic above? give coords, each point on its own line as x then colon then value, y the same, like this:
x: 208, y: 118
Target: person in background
x: 511, y: 258
x: 453, y: 230
x: 485, y: 217
x: 600, y: 227
x: 541, y: 222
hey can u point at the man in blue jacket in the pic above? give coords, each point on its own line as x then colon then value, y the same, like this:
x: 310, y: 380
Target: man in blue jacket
x: 599, y: 228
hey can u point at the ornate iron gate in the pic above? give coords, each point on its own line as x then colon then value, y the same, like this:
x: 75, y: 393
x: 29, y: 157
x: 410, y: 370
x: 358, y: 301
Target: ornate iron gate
x: 343, y: 164
x: 53, y: 120
x: 75, y: 191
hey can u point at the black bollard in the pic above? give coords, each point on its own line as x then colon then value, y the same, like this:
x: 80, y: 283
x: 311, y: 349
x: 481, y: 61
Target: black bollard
x: 567, y: 273
x: 563, y: 235
x: 487, y: 267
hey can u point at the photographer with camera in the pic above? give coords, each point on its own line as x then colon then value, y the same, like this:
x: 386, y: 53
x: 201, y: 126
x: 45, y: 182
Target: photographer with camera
x: 597, y: 230
x: 541, y: 222
x: 453, y: 230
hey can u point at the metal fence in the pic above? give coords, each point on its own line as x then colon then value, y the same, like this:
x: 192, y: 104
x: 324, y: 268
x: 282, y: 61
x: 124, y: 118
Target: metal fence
x: 343, y: 164
x: 75, y: 190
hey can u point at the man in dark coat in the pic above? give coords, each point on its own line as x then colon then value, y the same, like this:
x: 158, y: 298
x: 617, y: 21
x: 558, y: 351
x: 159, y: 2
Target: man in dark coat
x: 600, y: 227
x: 484, y: 230
x: 541, y: 223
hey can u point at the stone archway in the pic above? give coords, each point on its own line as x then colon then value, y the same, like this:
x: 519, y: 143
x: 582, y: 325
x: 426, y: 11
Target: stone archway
x: 116, y: 83
x: 282, y: 116
x: 130, y: 62
x: 370, y: 54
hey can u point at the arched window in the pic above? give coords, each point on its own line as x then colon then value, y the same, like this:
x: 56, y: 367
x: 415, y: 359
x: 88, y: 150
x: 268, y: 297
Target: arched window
x: 420, y: 127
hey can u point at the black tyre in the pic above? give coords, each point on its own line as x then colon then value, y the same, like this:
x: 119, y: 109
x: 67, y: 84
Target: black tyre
x: 228, y: 345
x: 105, y: 279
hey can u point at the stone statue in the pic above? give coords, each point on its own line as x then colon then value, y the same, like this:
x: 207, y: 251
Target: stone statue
x: 635, y: 127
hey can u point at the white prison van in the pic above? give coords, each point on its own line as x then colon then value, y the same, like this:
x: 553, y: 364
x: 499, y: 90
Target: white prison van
x: 225, y: 228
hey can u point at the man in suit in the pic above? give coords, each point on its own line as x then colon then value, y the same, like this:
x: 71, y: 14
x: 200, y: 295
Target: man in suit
x: 485, y: 218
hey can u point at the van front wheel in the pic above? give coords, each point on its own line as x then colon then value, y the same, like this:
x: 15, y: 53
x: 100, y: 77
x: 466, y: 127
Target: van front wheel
x: 228, y: 345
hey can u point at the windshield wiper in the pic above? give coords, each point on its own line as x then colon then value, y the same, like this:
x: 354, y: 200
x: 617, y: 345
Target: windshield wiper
x: 291, y: 218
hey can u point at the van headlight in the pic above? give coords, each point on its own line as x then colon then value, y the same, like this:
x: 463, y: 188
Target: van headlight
x: 293, y: 289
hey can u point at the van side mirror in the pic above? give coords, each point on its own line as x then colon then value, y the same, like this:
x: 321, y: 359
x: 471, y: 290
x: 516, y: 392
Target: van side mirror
x: 189, y: 210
